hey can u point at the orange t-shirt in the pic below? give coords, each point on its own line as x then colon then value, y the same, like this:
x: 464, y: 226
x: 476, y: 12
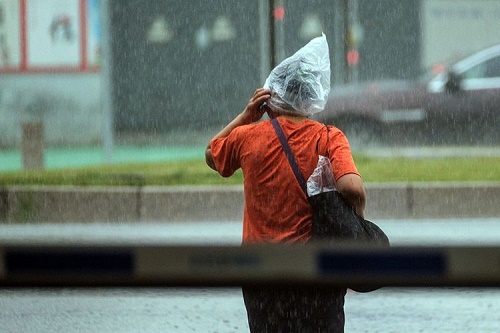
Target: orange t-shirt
x: 276, y: 207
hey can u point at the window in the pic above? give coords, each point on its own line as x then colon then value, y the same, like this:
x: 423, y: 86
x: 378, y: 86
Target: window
x: 487, y: 69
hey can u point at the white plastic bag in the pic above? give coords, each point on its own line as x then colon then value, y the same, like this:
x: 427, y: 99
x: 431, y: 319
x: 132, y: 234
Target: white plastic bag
x: 321, y: 180
x: 300, y: 84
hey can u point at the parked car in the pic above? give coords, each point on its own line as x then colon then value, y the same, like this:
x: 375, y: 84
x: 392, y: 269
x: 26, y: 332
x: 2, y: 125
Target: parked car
x: 459, y: 105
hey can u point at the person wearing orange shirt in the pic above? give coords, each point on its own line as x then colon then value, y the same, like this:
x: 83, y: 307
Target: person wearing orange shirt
x: 276, y: 208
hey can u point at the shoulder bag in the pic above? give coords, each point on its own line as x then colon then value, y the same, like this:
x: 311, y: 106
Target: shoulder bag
x: 333, y: 219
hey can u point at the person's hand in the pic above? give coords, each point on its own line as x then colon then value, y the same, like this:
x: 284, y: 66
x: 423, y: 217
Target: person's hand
x: 253, y: 111
x: 250, y: 114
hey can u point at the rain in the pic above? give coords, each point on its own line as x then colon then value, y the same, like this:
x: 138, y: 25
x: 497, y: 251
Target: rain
x: 92, y: 89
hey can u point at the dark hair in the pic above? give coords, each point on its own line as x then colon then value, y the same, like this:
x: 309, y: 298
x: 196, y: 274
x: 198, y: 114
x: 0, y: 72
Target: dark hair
x: 300, y: 84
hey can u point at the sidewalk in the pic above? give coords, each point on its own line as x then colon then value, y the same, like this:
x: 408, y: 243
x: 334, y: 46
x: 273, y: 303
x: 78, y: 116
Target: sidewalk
x: 11, y: 160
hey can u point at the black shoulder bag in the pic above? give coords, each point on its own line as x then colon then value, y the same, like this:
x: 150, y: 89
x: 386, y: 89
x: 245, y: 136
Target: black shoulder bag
x: 333, y: 219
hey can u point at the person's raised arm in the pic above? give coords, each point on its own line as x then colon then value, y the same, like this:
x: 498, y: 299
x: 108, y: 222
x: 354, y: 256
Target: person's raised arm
x: 250, y: 114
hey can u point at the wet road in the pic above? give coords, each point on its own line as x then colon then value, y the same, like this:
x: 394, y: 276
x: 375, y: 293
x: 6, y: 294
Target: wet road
x: 221, y: 310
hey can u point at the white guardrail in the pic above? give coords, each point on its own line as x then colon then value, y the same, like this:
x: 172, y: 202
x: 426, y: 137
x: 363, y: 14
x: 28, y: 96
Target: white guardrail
x: 197, y: 266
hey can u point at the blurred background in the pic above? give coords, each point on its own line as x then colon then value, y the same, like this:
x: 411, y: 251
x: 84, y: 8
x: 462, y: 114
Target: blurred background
x: 108, y: 73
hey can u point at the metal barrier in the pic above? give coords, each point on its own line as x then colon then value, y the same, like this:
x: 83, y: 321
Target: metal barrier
x: 195, y: 266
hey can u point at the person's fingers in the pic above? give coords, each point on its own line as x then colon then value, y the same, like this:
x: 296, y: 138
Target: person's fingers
x: 260, y: 96
x: 261, y: 92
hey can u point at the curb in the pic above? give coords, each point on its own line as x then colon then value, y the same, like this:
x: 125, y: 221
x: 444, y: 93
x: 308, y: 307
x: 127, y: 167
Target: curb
x: 62, y: 204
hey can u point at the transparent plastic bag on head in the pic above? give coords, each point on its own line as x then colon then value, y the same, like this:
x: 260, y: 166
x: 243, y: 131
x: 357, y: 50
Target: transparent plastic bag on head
x: 321, y: 180
x: 300, y: 84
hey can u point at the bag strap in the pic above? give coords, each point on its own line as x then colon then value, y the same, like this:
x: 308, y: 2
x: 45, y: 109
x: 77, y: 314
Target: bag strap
x: 289, y: 154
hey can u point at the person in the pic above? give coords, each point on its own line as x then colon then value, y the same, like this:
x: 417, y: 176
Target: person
x: 276, y: 208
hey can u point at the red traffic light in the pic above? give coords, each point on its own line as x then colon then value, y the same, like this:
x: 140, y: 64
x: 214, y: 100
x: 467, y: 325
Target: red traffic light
x: 279, y: 12
x: 352, y: 57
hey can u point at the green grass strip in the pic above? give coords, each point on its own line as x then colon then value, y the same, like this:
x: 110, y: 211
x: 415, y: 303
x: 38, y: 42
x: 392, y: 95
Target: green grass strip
x: 196, y: 172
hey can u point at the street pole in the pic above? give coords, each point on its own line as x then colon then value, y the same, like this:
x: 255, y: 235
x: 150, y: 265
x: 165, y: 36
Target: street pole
x: 339, y: 68
x: 273, y: 27
x: 266, y: 58
x: 279, y: 30
x: 106, y: 81
x: 353, y: 25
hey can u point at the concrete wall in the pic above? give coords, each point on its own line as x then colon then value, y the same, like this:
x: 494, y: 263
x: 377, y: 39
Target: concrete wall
x: 433, y: 200
x: 225, y: 203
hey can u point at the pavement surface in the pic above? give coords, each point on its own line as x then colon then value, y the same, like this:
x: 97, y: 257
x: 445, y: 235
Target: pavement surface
x: 388, y: 310
x: 221, y: 310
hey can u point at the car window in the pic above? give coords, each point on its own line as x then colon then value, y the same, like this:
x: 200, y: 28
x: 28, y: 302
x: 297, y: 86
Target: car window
x: 487, y: 69
x: 493, y: 67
